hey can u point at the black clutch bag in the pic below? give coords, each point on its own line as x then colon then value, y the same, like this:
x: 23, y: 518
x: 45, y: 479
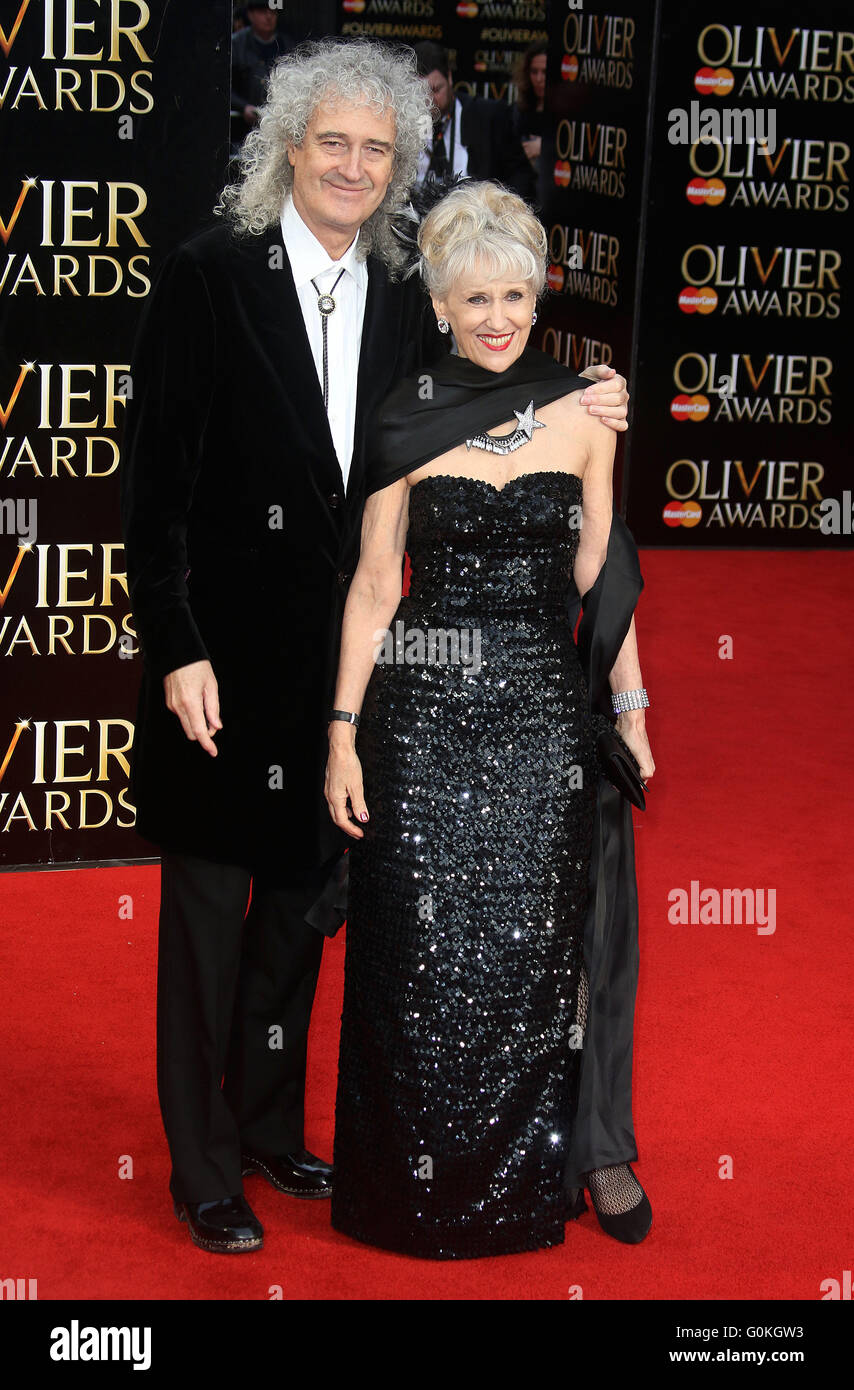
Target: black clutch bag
x: 617, y: 762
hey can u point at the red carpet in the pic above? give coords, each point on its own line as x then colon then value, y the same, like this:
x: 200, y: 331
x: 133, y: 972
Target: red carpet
x: 742, y: 1044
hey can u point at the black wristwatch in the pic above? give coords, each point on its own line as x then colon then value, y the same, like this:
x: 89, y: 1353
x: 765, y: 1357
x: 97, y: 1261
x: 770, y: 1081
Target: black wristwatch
x: 346, y: 715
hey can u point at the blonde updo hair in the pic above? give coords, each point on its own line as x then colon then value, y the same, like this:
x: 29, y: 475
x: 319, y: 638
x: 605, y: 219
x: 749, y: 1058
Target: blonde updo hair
x: 481, y: 224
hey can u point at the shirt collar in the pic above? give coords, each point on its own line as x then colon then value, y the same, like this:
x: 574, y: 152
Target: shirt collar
x: 306, y: 255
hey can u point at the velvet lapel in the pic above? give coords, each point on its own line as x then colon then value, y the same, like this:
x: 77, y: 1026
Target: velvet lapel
x: 280, y: 329
x: 378, y: 346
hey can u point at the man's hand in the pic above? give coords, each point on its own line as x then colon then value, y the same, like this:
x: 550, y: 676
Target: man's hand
x: 608, y: 399
x: 192, y: 693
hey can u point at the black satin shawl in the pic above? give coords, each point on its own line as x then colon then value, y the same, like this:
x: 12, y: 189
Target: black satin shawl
x: 603, y: 1131
x: 434, y: 411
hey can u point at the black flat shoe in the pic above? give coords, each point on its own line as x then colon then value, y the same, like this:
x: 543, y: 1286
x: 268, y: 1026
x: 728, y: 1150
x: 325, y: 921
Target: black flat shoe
x: 632, y: 1226
x: 225, y: 1227
x: 298, y: 1174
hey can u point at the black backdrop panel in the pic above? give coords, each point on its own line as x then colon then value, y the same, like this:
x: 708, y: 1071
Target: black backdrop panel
x: 592, y: 182
x: 744, y: 363
x: 114, y: 139
x: 482, y: 38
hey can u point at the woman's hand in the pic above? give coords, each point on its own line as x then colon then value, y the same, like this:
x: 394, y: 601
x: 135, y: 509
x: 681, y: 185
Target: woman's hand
x: 608, y: 400
x: 343, y: 780
x: 633, y: 731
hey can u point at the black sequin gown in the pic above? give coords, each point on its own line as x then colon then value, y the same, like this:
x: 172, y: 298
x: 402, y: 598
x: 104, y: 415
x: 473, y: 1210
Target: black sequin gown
x: 459, y: 1048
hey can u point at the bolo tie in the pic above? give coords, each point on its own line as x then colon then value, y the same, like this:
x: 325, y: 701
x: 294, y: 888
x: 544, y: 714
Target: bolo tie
x: 326, y: 305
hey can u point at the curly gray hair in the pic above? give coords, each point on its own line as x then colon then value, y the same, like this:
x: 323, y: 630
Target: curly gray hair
x: 361, y: 71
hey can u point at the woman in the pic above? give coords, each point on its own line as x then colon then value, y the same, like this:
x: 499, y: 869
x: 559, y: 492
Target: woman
x: 529, y: 112
x: 471, y: 776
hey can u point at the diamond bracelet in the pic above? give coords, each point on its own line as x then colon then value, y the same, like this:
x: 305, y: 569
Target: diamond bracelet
x: 629, y: 699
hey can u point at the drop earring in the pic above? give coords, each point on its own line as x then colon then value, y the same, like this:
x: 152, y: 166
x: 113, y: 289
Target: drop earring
x: 533, y: 318
x: 443, y: 325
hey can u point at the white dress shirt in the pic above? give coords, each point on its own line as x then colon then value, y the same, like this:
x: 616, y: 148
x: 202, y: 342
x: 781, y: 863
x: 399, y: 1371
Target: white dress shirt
x: 461, y: 154
x: 310, y: 261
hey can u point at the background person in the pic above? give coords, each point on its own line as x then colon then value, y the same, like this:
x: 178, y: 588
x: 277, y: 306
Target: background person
x: 471, y: 135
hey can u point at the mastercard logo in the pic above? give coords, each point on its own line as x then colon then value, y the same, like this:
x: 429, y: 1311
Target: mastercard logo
x: 563, y: 173
x: 467, y: 11
x: 698, y: 301
x: 714, y: 82
x: 689, y: 407
x: 569, y: 67
x: 353, y: 6
x: 555, y: 277
x: 681, y: 514
x: 705, y: 191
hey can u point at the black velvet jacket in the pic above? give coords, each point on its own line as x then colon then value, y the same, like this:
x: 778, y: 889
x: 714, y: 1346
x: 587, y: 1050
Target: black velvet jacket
x: 241, y: 541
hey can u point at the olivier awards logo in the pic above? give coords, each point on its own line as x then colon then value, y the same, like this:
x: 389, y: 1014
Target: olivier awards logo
x: 507, y: 12
x: 60, y: 763
x: 723, y: 494
x: 776, y: 388
x: 760, y: 62
x: 76, y: 407
x: 591, y: 157
x: 803, y: 175
x: 583, y: 263
x: 576, y: 350
x: 67, y: 598
x: 63, y: 220
x: 389, y: 9
x: 761, y: 281
x: 94, y: 64
x: 597, y: 49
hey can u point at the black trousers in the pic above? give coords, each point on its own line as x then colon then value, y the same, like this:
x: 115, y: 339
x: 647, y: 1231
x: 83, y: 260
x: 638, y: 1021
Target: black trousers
x: 234, y: 996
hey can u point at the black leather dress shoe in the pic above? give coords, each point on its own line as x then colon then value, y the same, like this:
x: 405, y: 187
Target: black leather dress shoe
x: 299, y: 1174
x: 227, y: 1227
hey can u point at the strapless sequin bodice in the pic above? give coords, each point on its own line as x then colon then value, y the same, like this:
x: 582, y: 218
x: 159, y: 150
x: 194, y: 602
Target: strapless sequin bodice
x: 475, y: 546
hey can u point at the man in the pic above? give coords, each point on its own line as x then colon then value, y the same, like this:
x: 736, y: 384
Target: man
x: 254, y: 50
x: 242, y: 493
x: 471, y: 135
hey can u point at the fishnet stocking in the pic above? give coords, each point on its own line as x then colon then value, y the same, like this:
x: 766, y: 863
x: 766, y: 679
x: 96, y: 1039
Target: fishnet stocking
x: 615, y: 1189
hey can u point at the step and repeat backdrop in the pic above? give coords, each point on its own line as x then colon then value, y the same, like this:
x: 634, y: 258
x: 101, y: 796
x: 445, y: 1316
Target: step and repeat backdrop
x: 593, y: 185
x: 744, y: 362
x: 113, y: 131
x: 695, y: 186
x: 482, y: 39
